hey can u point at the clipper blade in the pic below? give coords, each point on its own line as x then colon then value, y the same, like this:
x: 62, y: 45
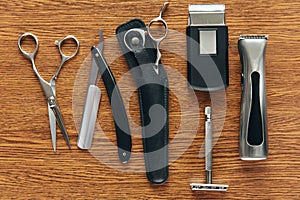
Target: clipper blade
x: 242, y: 37
x: 209, y: 187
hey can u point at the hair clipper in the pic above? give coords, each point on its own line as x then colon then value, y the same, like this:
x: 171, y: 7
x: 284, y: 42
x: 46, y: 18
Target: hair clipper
x: 253, y: 119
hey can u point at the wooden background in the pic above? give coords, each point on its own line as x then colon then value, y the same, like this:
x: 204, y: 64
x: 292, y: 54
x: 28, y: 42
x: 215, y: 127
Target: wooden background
x: 29, y: 169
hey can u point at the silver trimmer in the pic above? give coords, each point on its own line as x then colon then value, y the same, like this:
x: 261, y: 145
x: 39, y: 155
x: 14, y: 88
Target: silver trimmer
x: 208, y: 186
x: 253, y: 118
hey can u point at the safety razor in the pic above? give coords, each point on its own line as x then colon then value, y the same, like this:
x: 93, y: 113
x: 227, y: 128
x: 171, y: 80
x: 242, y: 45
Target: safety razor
x: 253, y: 117
x: 208, y: 186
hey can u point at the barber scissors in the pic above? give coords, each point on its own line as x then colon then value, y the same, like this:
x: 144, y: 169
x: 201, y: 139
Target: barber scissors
x: 49, y: 88
x: 140, y: 40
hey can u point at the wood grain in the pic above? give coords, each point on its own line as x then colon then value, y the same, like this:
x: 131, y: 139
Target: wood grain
x: 29, y: 169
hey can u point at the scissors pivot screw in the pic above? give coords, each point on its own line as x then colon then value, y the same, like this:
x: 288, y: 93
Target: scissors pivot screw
x: 49, y: 88
x: 51, y: 100
x: 135, y: 41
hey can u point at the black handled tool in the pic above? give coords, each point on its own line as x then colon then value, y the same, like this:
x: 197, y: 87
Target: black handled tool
x: 117, y: 105
x: 152, y: 86
x: 118, y: 109
x: 253, y: 124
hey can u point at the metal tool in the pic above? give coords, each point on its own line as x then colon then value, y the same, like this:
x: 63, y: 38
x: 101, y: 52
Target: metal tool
x: 140, y: 38
x: 208, y: 158
x: 91, y: 106
x: 118, y: 109
x: 49, y: 88
x: 253, y: 119
x: 207, y: 47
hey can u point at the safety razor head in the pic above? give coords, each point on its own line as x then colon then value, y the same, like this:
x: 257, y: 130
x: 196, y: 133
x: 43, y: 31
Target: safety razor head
x: 209, y: 187
x: 242, y: 37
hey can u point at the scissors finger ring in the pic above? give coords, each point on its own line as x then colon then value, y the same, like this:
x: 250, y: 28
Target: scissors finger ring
x: 60, y: 43
x: 25, y: 53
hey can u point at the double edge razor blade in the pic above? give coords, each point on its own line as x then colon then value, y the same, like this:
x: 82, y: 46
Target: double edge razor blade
x: 209, y: 187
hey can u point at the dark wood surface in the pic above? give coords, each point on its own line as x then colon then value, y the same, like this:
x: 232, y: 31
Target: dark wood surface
x: 29, y: 169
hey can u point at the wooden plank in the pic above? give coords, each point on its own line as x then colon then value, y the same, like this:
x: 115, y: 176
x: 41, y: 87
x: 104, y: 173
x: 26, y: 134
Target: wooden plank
x: 29, y: 169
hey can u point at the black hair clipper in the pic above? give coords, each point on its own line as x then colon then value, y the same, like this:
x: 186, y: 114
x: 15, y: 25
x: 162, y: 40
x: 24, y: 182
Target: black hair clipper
x: 253, y: 124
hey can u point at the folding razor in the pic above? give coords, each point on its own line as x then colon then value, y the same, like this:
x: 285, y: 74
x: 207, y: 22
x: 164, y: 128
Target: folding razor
x: 253, y: 118
x: 100, y: 66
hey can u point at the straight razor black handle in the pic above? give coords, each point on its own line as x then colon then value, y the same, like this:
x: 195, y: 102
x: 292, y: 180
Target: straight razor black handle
x: 118, y: 109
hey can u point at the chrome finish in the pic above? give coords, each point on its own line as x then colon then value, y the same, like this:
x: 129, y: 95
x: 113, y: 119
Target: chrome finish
x: 55, y: 109
x: 206, y: 15
x: 136, y: 44
x: 89, y: 117
x: 91, y: 104
x: 157, y: 41
x: 252, y: 53
x: 208, y: 186
x: 208, y: 145
x: 49, y: 88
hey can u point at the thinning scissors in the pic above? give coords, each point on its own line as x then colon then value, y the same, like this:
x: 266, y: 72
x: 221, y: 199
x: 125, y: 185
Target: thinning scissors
x: 49, y: 88
x: 156, y: 40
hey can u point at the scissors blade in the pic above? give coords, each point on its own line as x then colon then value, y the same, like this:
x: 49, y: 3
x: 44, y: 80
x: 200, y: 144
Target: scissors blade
x: 55, y: 109
x: 52, y: 121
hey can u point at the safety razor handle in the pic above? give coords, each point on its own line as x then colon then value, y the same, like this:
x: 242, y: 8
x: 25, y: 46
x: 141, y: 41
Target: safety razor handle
x: 208, y: 145
x: 253, y: 122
